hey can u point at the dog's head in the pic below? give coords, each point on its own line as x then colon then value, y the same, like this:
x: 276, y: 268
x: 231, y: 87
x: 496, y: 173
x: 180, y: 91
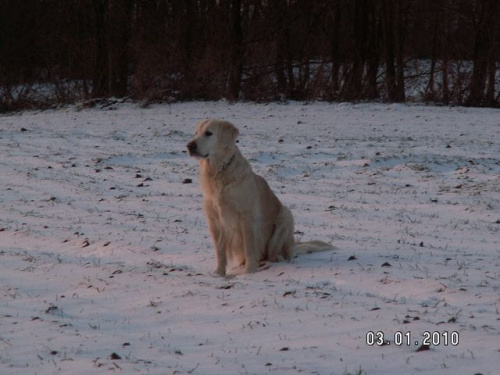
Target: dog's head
x: 214, y: 141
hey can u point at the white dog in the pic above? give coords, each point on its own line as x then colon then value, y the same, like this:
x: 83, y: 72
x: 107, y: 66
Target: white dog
x: 247, y: 221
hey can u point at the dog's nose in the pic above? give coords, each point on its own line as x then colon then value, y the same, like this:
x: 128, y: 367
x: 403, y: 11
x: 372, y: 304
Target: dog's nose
x: 191, y: 146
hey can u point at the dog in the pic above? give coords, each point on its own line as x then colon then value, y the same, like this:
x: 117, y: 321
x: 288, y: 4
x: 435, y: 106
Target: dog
x: 246, y: 220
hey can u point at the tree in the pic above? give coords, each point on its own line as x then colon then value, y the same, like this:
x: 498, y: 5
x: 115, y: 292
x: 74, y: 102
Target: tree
x: 236, y: 68
x: 112, y: 33
x: 118, y: 45
x: 484, y: 54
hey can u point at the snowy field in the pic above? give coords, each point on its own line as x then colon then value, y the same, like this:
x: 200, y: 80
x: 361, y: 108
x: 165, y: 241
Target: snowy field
x: 106, y: 260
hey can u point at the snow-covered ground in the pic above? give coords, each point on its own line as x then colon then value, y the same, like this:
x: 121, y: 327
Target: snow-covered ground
x: 105, y: 258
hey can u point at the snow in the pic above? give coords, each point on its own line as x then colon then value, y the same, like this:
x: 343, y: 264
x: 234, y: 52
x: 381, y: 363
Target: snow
x: 106, y: 260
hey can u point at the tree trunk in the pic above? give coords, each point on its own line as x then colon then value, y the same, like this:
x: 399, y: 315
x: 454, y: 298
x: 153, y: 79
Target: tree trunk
x: 373, y: 48
x: 354, y: 78
x: 483, y: 49
x: 236, y: 69
x: 490, y: 91
x: 100, y: 77
x: 445, y: 54
x: 112, y: 32
x: 400, y: 22
x: 430, y: 90
x: 335, y: 50
x: 281, y: 42
x: 118, y: 39
x: 388, y: 30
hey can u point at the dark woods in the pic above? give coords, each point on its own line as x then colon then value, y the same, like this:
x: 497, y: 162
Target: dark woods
x: 442, y: 51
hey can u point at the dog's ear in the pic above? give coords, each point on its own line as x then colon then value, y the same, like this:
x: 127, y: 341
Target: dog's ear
x: 230, y: 131
x: 234, y: 132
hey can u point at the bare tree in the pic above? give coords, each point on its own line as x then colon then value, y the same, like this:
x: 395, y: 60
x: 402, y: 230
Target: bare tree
x: 237, y: 50
x: 483, y: 52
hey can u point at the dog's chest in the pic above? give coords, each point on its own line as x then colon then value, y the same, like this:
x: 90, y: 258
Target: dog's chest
x: 218, y: 185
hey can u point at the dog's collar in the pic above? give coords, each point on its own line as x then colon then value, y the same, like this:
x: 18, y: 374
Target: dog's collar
x: 229, y: 162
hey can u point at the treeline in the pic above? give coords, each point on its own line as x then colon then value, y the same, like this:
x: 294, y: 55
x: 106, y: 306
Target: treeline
x: 65, y: 51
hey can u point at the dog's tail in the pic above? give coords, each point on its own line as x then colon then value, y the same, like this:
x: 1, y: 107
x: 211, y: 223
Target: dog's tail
x: 312, y: 247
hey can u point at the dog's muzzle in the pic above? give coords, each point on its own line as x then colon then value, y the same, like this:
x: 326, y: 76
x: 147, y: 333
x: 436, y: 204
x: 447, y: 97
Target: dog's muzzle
x: 192, y: 146
x: 193, y: 150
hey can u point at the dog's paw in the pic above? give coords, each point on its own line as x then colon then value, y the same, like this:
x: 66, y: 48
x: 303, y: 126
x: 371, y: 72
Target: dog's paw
x: 250, y: 268
x: 219, y: 273
x: 264, y: 266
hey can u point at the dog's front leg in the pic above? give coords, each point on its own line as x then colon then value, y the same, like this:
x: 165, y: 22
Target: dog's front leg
x: 220, y: 249
x: 220, y: 254
x: 214, y: 226
x: 252, y: 252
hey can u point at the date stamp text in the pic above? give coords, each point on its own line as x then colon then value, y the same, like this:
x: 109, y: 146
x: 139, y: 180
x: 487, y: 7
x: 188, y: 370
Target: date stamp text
x: 399, y: 338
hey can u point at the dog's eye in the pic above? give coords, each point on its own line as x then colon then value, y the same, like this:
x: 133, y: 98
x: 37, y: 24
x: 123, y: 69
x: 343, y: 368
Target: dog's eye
x: 208, y: 133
